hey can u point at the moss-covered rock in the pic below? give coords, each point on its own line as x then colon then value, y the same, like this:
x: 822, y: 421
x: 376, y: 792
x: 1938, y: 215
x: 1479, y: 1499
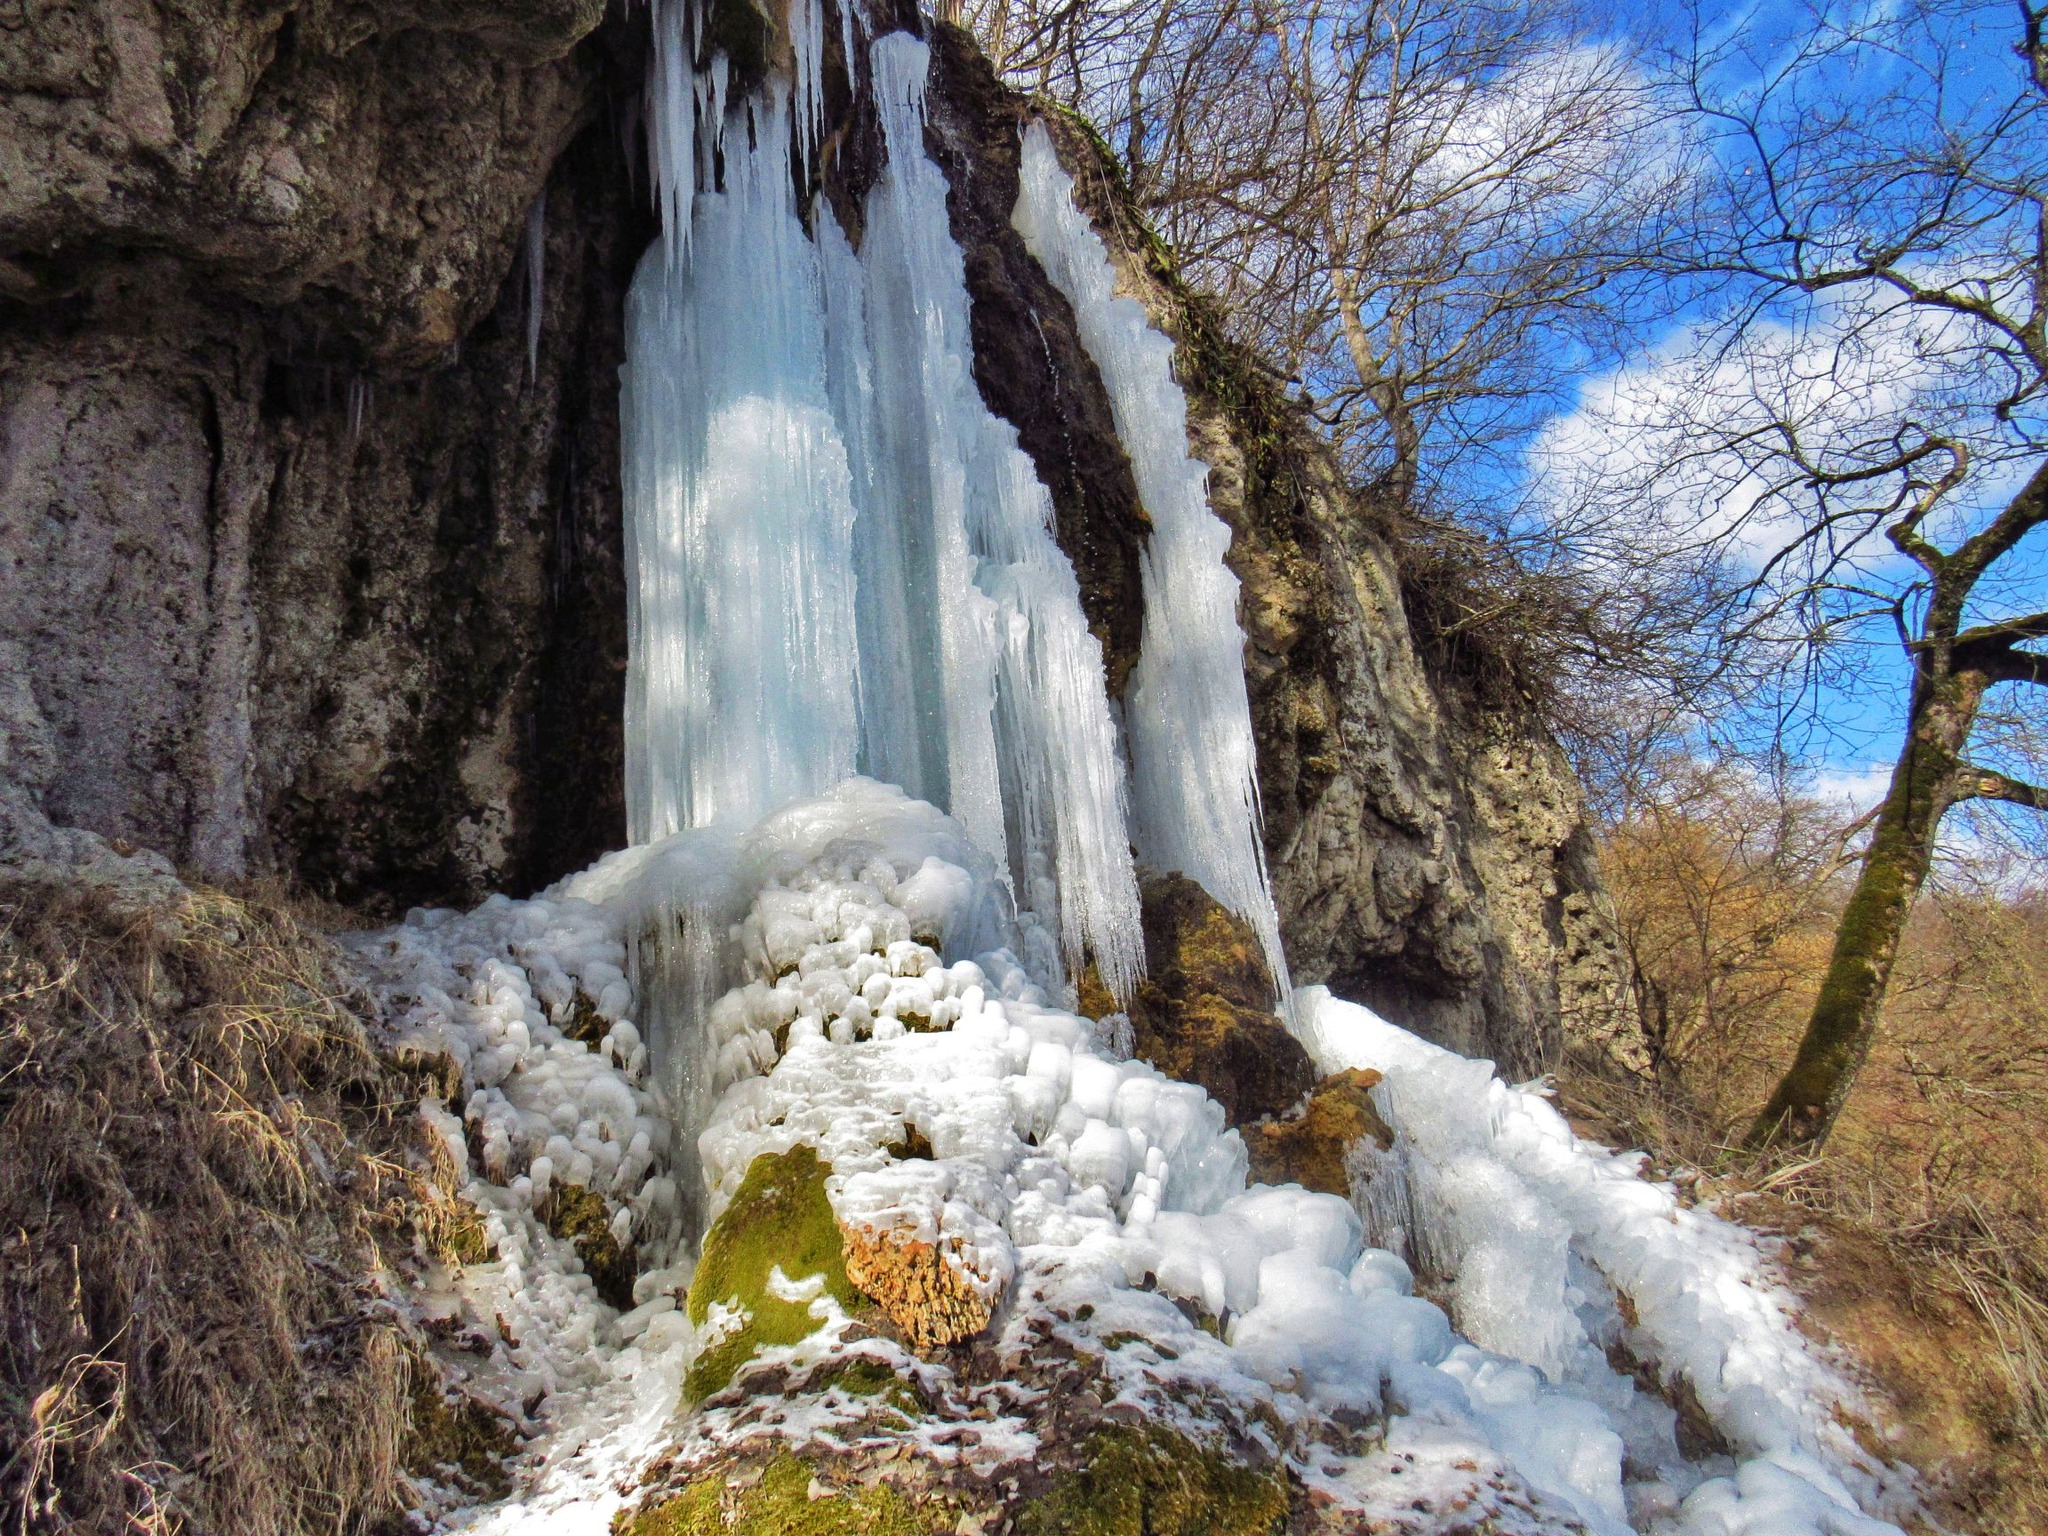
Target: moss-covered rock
x: 779, y: 1218
x: 865, y: 1376
x: 579, y: 1216
x: 780, y: 1503
x: 454, y: 1438
x: 1309, y: 1148
x: 1144, y: 1480
x: 1203, y: 1013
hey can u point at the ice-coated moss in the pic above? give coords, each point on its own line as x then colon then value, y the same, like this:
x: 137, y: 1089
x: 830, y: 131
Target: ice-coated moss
x: 456, y: 1438
x: 780, y: 1504
x: 580, y: 1215
x: 864, y: 1376
x: 1135, y: 1480
x: 778, y: 1217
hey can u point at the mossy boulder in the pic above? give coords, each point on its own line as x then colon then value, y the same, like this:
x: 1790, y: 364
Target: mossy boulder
x: 779, y: 1218
x: 781, y: 1503
x: 1309, y: 1148
x: 1138, y: 1480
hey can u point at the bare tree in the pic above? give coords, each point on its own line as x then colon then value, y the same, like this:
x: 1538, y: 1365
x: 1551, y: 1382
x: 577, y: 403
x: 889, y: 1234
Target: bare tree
x: 1417, y: 210
x: 1862, y: 434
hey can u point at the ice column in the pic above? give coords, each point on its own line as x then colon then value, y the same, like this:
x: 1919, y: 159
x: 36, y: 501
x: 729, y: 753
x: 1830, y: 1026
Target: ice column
x: 742, y: 687
x: 1195, y: 801
x: 671, y: 107
x: 976, y: 607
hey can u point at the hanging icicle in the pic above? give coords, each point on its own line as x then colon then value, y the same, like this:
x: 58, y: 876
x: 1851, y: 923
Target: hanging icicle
x: 672, y: 124
x: 1193, y: 759
x: 536, y: 277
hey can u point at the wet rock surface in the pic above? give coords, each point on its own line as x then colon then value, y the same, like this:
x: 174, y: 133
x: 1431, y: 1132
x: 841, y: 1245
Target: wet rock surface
x: 1308, y: 1146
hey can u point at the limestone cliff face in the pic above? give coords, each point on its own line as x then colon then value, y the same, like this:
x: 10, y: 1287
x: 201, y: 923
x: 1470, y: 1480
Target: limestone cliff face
x: 307, y: 572
x: 304, y: 573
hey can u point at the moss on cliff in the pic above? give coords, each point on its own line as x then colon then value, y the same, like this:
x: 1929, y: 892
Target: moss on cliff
x: 780, y: 1504
x: 1135, y: 1480
x: 778, y: 1219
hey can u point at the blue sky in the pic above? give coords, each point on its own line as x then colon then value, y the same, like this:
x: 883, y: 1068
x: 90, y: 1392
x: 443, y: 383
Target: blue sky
x: 1851, y: 732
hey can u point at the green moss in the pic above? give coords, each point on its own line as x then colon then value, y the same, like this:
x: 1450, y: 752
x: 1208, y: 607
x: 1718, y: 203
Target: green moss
x: 780, y: 1504
x: 455, y: 1440
x: 1138, y: 1480
x: 865, y: 1376
x: 579, y: 1216
x: 779, y: 1216
x: 460, y: 1236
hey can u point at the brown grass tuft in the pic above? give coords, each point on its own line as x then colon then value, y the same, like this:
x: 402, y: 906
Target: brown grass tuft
x: 195, y: 1166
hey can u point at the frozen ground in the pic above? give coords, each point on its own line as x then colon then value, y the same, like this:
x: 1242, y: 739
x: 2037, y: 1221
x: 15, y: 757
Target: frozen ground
x: 1090, y: 1190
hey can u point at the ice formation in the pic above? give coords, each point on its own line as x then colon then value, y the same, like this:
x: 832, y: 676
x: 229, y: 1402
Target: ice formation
x: 839, y: 557
x: 870, y: 938
x: 1193, y: 763
x: 842, y: 564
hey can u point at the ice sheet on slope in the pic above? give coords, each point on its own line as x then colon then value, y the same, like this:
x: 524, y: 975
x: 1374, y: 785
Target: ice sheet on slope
x: 1487, y: 1187
x: 1097, y: 1188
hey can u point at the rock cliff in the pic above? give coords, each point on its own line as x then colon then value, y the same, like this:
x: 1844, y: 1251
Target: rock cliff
x: 310, y: 320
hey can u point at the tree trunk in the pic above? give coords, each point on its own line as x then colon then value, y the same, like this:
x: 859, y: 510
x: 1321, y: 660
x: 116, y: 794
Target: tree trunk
x: 1838, y: 1034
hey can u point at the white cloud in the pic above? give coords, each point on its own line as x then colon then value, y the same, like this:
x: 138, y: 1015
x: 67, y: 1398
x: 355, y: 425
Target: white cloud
x: 1696, y: 441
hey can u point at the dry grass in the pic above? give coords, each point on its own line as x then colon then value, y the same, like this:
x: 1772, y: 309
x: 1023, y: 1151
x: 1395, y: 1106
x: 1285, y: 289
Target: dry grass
x: 195, y: 1170
x: 1920, y: 1236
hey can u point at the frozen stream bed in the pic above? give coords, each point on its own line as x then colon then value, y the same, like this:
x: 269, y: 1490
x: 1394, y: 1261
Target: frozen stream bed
x: 1096, y: 1210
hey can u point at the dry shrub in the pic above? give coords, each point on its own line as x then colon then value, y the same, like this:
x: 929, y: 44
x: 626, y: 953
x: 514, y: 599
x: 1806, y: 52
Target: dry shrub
x: 1920, y: 1235
x: 193, y: 1334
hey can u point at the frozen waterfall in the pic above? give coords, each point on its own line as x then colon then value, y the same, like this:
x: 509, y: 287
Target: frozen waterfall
x: 1193, y: 759
x: 841, y: 562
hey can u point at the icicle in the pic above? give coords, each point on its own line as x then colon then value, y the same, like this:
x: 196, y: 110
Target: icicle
x: 1193, y: 761
x: 721, y: 74
x: 536, y: 274
x: 671, y: 126
x: 358, y: 407
x: 960, y: 512
x: 846, y: 43
x: 807, y: 42
x: 742, y: 688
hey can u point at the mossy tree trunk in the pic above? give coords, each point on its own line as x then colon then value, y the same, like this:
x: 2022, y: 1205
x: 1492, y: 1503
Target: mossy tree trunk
x: 1952, y: 669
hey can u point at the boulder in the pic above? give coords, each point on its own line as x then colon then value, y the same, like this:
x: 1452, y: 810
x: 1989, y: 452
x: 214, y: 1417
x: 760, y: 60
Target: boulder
x: 1204, y: 1013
